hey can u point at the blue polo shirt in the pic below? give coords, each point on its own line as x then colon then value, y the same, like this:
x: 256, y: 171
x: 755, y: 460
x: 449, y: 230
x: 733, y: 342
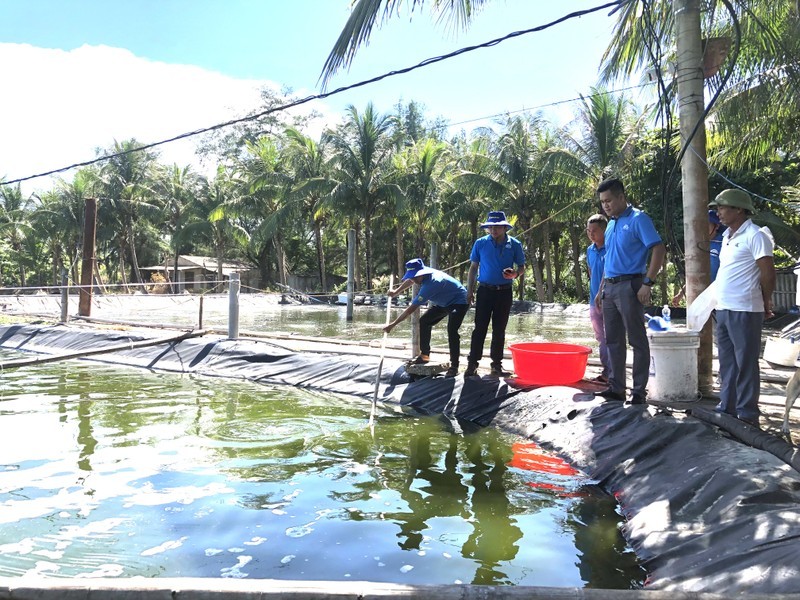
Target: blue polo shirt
x: 493, y: 258
x: 596, y: 259
x: 629, y: 238
x: 440, y: 289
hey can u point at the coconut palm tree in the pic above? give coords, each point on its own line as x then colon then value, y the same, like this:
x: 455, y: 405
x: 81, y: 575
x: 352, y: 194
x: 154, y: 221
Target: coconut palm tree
x: 15, y: 225
x: 360, y: 167
x: 209, y: 217
x: 263, y: 208
x: 176, y: 188
x: 365, y: 13
x: 309, y: 164
x: 758, y: 109
x: 419, y: 171
x: 126, y: 189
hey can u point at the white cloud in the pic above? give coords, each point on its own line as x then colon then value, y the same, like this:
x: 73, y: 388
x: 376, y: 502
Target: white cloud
x: 58, y: 106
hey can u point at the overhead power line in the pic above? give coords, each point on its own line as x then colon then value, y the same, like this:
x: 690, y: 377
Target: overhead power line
x: 616, y: 4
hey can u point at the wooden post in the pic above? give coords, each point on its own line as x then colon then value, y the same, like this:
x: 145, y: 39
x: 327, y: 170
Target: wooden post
x: 233, y: 306
x: 64, y: 296
x: 87, y: 266
x: 351, y: 274
x: 434, y: 260
x: 694, y: 170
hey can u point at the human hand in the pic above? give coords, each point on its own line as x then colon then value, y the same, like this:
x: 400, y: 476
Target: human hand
x: 509, y: 273
x: 644, y: 294
x: 388, y: 328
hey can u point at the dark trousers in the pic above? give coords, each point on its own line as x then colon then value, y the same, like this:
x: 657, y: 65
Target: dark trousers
x: 455, y: 316
x: 623, y: 315
x: 491, y: 306
x: 739, y: 346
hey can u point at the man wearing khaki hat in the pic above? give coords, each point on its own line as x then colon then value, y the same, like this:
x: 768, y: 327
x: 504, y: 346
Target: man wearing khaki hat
x: 745, y: 282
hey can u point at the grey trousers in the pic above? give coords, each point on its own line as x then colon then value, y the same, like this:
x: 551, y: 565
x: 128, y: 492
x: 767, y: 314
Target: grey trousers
x: 739, y: 346
x: 623, y: 315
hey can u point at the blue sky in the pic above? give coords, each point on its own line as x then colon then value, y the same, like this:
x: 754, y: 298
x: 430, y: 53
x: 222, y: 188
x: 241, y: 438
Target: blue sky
x: 82, y: 73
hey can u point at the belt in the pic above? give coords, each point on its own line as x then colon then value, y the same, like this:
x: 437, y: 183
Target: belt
x: 619, y: 278
x: 505, y: 286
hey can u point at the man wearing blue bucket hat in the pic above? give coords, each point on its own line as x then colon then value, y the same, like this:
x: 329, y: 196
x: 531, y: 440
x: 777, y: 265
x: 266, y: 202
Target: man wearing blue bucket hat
x: 448, y: 298
x: 496, y: 260
x: 745, y: 282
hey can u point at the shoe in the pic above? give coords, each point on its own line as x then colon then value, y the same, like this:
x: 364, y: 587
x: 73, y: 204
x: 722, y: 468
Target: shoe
x: 753, y: 421
x: 451, y: 372
x: 600, y: 379
x: 609, y: 394
x: 498, y: 371
x: 637, y: 399
x: 472, y: 370
x: 421, y: 359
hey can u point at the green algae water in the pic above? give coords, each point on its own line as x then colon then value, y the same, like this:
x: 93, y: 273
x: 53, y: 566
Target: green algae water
x: 109, y: 471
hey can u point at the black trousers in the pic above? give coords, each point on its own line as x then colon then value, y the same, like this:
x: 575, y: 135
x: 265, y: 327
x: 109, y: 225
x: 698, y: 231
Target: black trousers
x: 455, y: 316
x: 491, y: 306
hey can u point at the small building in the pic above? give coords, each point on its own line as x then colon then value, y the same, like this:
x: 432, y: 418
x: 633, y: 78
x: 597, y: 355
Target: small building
x: 199, y: 273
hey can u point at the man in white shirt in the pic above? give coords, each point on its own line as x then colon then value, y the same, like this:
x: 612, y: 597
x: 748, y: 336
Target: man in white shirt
x: 745, y: 282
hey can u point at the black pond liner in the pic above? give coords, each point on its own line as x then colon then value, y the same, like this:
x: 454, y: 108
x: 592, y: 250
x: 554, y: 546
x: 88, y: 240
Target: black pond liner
x: 705, y: 512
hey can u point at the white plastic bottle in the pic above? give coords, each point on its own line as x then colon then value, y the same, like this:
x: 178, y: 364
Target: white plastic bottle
x: 665, y: 314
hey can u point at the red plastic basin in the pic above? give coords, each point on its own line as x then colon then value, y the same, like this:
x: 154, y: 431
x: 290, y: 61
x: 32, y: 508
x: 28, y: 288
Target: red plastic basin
x: 549, y: 363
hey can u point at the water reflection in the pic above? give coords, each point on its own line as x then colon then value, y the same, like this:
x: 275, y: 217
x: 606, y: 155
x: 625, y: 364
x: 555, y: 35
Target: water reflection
x: 136, y: 473
x: 495, y: 535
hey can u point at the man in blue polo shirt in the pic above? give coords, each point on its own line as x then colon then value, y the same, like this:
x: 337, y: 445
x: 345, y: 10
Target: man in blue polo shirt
x: 626, y: 289
x: 496, y: 260
x: 448, y: 299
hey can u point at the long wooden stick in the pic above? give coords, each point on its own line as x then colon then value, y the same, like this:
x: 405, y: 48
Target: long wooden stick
x: 38, y: 360
x: 383, y: 351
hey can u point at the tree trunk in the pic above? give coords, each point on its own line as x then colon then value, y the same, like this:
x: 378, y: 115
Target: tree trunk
x: 220, y: 251
x: 537, y: 270
x: 368, y: 250
x: 689, y: 75
x: 135, y: 261
x: 357, y: 266
x: 398, y: 236
x: 281, y: 258
x: 323, y: 281
x: 548, y: 259
x: 577, y: 252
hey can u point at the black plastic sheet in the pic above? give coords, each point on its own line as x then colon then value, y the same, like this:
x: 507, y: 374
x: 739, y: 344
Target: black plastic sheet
x: 705, y: 512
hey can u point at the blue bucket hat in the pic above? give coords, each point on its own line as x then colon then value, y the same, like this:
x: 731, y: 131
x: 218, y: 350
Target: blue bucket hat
x: 713, y: 217
x: 415, y: 267
x: 497, y: 217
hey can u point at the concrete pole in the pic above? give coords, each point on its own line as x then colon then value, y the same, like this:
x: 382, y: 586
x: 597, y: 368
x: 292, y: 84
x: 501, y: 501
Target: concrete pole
x: 233, y: 306
x: 351, y: 272
x: 64, y: 297
x: 694, y: 171
x: 87, y: 265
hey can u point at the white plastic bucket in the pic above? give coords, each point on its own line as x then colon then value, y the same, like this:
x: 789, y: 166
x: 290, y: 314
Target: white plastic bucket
x: 780, y: 351
x: 673, y: 365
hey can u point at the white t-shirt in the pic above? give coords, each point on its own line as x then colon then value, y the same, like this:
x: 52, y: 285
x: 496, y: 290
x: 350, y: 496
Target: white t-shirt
x: 738, y: 279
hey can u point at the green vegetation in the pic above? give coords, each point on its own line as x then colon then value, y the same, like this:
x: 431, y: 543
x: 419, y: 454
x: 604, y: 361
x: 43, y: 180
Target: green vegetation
x: 283, y: 201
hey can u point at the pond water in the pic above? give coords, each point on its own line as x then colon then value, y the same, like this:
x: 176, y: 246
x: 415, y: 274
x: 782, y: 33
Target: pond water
x: 117, y: 472
x: 260, y: 312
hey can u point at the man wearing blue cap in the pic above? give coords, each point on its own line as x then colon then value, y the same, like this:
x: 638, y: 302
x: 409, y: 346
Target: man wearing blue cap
x: 496, y: 260
x: 448, y: 298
